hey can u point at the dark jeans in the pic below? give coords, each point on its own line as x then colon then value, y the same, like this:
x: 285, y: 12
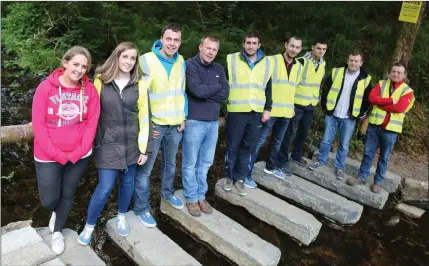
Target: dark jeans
x: 242, y: 131
x: 278, y: 125
x: 57, y: 187
x: 106, y: 181
x: 299, y: 127
x: 377, y: 137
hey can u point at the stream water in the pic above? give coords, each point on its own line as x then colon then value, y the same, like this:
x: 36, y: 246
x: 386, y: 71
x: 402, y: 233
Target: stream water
x: 369, y: 242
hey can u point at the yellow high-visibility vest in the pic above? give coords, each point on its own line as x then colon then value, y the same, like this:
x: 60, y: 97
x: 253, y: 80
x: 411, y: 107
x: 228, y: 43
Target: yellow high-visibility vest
x: 167, y: 94
x: 284, y: 87
x: 143, y: 107
x: 307, y: 91
x: 247, y: 86
x: 396, y: 119
x: 337, y: 80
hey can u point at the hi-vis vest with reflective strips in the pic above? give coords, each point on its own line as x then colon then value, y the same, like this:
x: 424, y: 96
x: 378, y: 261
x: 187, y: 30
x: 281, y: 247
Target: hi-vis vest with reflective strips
x: 166, y: 95
x: 284, y: 87
x: 307, y: 91
x: 396, y: 119
x: 247, y: 86
x: 143, y: 107
x: 337, y: 81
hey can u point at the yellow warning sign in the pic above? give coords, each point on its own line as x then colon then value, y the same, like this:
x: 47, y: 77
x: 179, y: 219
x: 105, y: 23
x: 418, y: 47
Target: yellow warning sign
x: 410, y: 11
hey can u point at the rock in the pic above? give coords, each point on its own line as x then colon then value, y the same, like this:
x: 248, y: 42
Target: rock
x: 391, y: 180
x: 19, y: 239
x: 414, y: 190
x: 394, y: 220
x: 34, y: 254
x: 409, y: 210
x: 325, y: 177
x: 15, y: 226
x: 54, y: 262
x: 295, y: 222
x: 148, y: 246
x: 310, y: 195
x: 225, y: 235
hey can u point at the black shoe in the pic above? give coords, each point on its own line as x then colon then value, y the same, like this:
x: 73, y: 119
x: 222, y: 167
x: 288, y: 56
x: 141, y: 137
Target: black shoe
x: 302, y: 162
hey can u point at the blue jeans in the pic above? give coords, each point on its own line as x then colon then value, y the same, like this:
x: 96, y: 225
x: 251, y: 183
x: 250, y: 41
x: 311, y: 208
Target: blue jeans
x: 198, y: 151
x: 279, y: 126
x: 346, y: 126
x: 375, y: 137
x: 107, y: 178
x: 299, y: 126
x: 168, y: 141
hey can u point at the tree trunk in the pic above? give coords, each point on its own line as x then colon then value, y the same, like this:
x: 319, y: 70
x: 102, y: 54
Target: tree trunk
x: 12, y: 134
x: 406, y: 38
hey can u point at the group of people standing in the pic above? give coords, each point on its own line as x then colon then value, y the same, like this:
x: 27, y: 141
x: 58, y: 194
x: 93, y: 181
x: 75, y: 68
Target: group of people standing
x: 138, y: 106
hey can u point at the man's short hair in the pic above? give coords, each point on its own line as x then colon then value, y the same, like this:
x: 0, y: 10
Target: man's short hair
x: 172, y: 26
x: 356, y: 53
x: 211, y: 37
x: 319, y: 40
x: 400, y: 64
x: 293, y: 37
x: 252, y: 34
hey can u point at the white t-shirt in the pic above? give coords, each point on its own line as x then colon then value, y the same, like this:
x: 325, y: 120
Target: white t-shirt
x: 121, y: 83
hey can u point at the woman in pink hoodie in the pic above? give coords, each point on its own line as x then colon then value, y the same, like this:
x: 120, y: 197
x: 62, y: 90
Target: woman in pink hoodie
x: 65, y: 113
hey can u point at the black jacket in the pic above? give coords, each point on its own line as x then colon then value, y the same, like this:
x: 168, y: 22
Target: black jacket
x: 327, y: 84
x: 206, y: 87
x: 116, y: 140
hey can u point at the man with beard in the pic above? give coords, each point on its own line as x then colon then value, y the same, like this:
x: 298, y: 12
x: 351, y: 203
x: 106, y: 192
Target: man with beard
x: 249, y: 105
x: 287, y: 73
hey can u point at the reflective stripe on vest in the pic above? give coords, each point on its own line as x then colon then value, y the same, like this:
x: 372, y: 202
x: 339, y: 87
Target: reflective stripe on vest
x: 333, y: 95
x: 247, y: 86
x: 166, y: 95
x: 307, y: 91
x: 143, y: 107
x: 284, y: 87
x: 396, y: 120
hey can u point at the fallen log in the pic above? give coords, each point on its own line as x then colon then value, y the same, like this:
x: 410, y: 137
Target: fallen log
x: 16, y: 133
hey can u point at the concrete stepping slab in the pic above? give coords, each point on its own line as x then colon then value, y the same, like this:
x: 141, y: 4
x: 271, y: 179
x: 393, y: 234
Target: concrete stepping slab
x: 225, y: 235
x: 324, y: 176
x: 310, y: 195
x: 414, y: 190
x: 19, y: 239
x: 74, y: 253
x: 33, y: 254
x: 148, y: 246
x: 54, y: 262
x: 391, y: 181
x: 295, y: 222
x: 409, y: 210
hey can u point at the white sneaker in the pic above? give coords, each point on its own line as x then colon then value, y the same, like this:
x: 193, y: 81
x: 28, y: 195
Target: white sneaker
x: 57, y: 243
x: 52, y: 222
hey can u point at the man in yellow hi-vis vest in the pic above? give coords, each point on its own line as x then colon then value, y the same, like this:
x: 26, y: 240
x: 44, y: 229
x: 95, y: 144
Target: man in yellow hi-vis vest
x: 306, y: 98
x: 249, y: 105
x: 167, y: 100
x: 287, y: 73
x: 391, y: 99
x: 344, y: 101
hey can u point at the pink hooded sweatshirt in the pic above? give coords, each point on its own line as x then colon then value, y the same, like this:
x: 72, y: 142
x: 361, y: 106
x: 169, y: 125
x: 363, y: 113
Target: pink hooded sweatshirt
x: 64, y: 126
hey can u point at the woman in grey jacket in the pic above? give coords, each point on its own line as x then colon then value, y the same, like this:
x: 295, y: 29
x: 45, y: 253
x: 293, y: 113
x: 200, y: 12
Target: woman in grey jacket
x: 124, y: 134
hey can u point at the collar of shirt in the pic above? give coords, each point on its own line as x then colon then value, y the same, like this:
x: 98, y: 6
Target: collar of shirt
x: 316, y: 62
x: 352, y: 74
x: 287, y: 63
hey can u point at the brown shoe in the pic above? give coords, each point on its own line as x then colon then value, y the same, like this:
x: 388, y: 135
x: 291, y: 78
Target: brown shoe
x: 205, y: 206
x: 193, y: 209
x: 356, y: 181
x: 376, y: 188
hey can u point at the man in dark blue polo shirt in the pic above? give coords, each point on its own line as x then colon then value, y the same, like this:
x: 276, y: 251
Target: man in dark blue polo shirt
x: 206, y: 87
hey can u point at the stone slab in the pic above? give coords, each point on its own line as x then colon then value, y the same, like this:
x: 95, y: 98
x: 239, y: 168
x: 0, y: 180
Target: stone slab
x: 409, y: 210
x: 74, y: 253
x: 310, y: 195
x: 225, y: 235
x: 414, y: 190
x: 295, y: 222
x: 34, y: 254
x: 15, y: 226
x: 54, y: 262
x: 148, y: 246
x: 391, y: 180
x: 19, y: 239
x: 325, y: 177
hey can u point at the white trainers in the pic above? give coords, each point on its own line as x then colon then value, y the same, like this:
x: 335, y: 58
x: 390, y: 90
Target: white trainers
x: 52, y: 222
x: 57, y: 243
